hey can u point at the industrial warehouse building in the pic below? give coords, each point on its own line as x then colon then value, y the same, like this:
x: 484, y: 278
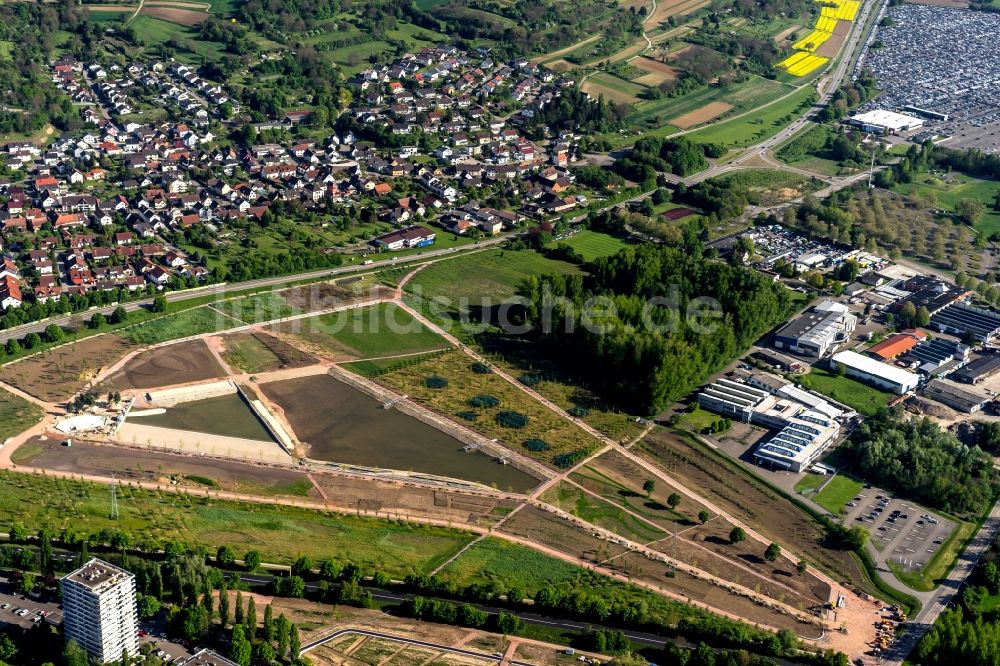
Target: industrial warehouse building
x: 955, y: 396
x: 980, y: 369
x: 885, y: 122
x: 876, y: 373
x: 806, y: 423
x: 962, y: 319
x: 813, y: 333
x: 896, y: 344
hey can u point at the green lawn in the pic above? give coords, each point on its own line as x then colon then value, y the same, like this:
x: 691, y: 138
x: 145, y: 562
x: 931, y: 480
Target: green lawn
x: 248, y: 354
x: 865, y: 399
x: 280, y: 533
x: 837, y: 493
x: 179, y: 325
x: 809, y: 483
x: 492, y: 275
x: 16, y: 415
x: 381, y: 330
x: 756, y: 127
x: 258, y: 308
x: 948, y: 190
x: 593, y: 244
x: 600, y: 512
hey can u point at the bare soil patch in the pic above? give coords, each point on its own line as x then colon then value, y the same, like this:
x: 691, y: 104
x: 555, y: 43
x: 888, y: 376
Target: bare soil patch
x: 701, y: 115
x: 670, y: 8
x: 184, y: 17
x: 184, y: 362
x: 167, y: 468
x: 378, y: 497
x: 325, y: 295
x: 560, y: 534
x: 659, y: 72
x: 56, y: 374
x: 831, y: 47
x: 705, y: 592
x: 194, y: 6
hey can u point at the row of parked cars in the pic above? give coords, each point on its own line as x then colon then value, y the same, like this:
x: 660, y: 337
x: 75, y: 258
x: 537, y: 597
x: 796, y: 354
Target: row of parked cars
x: 37, y: 615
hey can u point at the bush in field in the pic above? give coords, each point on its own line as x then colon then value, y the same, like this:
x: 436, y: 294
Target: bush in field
x: 512, y: 419
x: 435, y: 382
x: 579, y: 411
x: 536, y: 445
x: 564, y: 460
x: 529, y: 380
x: 480, y: 368
x: 468, y: 416
x: 484, y: 401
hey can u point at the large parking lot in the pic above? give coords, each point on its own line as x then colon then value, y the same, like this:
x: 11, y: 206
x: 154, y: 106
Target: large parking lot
x: 901, y: 532
x: 26, y: 611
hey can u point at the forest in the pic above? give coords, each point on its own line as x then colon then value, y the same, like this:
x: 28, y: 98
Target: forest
x: 643, y: 320
x: 916, y: 459
x: 30, y: 101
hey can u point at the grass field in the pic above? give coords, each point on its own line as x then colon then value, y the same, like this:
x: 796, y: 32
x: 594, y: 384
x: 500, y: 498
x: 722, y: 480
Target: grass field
x: 178, y: 325
x: 865, y: 399
x: 491, y: 275
x: 248, y: 354
x: 381, y: 330
x: 948, y: 190
x: 599, y: 512
x: 280, y: 533
x: 837, y: 493
x: 16, y: 415
x: 258, y: 308
x: 756, y: 126
x: 593, y: 244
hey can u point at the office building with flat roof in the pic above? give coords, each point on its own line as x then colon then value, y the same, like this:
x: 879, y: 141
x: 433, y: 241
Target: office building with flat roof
x: 99, y: 610
x: 814, y: 332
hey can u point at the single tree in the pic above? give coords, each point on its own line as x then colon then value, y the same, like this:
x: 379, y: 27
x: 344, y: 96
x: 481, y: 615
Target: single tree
x: 801, y: 567
x: 703, y: 516
x: 649, y: 487
x: 673, y: 500
x: 225, y: 556
x: 737, y: 535
x: 772, y: 552
x: 251, y: 560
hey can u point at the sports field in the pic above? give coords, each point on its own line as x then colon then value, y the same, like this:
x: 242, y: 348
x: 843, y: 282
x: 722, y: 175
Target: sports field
x: 593, y: 244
